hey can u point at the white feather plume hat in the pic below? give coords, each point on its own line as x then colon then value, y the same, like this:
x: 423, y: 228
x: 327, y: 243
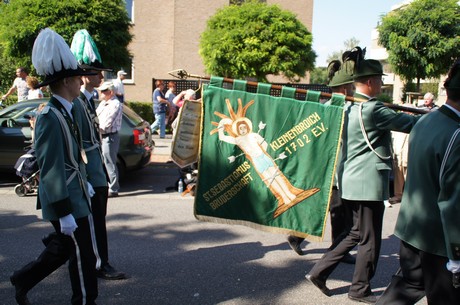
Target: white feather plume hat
x: 52, y: 58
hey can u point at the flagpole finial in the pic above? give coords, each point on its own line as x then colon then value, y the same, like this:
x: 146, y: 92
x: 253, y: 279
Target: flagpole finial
x: 179, y: 73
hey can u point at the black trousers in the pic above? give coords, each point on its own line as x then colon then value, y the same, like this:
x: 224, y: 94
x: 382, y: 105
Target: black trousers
x: 366, y: 232
x: 341, y: 219
x: 82, y: 261
x: 99, y: 212
x: 421, y: 274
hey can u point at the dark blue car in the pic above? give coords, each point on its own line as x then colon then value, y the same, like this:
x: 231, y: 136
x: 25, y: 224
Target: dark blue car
x: 136, y: 144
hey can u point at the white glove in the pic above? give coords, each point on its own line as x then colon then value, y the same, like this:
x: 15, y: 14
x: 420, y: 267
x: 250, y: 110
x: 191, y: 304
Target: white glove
x: 453, y: 266
x: 68, y: 225
x: 91, y: 191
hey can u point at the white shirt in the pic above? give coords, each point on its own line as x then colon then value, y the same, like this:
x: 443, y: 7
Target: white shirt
x: 65, y: 103
x: 119, y: 87
x: 110, y: 115
x: 21, y: 86
x: 35, y: 93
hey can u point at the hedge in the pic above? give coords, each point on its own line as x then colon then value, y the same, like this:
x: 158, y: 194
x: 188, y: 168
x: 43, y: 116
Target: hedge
x: 144, y: 109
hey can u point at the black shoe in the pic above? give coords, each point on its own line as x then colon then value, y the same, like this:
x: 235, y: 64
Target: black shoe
x: 394, y: 200
x: 369, y: 299
x: 21, y: 293
x: 294, y: 243
x: 348, y: 259
x: 321, y: 285
x: 107, y: 272
x: 113, y: 194
x: 48, y: 238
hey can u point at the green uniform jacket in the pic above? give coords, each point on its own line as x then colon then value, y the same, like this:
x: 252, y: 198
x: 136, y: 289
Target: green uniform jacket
x: 362, y: 175
x: 90, y: 136
x: 62, y: 186
x: 429, y: 217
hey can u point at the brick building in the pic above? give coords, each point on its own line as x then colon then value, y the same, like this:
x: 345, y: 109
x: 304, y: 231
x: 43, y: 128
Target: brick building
x: 167, y: 34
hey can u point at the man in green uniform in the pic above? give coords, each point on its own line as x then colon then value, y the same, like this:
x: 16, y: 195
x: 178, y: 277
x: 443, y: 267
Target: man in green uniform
x: 428, y: 222
x: 363, y: 177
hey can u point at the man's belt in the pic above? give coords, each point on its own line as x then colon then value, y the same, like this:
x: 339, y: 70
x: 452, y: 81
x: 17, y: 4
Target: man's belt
x: 105, y: 135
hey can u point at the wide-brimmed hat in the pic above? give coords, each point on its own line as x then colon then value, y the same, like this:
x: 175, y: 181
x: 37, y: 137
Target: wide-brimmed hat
x: 52, y: 58
x: 85, y: 51
x: 367, y: 68
x: 362, y: 67
x: 106, y: 86
x: 339, y: 74
x: 453, y: 79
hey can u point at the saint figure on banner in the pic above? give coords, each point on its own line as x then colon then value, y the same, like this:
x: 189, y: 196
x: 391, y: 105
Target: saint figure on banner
x: 238, y: 130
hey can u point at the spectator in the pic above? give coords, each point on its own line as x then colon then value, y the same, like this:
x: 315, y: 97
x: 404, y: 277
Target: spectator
x: 19, y: 85
x: 170, y: 95
x: 160, y: 104
x: 178, y: 101
x: 428, y: 102
x: 399, y: 144
x: 119, y: 86
x: 32, y: 82
x: 427, y: 224
x: 110, y: 112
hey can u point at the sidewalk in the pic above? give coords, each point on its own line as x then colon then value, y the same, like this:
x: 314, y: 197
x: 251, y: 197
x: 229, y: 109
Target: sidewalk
x: 162, y: 150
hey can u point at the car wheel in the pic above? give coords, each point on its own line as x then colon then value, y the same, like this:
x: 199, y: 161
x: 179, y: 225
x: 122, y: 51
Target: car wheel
x: 20, y: 190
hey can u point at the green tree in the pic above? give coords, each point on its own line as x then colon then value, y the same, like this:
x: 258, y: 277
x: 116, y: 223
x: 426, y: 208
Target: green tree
x: 254, y: 40
x: 422, y: 38
x: 348, y: 45
x: 318, y: 75
x: 106, y: 20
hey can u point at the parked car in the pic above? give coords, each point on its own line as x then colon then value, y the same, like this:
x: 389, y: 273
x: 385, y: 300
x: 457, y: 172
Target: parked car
x: 136, y: 144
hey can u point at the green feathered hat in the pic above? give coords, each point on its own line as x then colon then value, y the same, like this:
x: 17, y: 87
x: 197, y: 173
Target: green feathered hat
x: 362, y: 67
x: 368, y: 68
x: 339, y: 74
x: 85, y: 51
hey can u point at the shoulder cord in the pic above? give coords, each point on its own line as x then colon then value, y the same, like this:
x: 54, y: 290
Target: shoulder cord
x: 361, y: 124
x: 74, y: 166
x: 94, y: 140
x: 446, y: 155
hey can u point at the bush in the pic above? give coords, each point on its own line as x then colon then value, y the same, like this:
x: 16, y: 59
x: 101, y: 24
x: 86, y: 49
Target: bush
x: 144, y: 109
x: 385, y: 98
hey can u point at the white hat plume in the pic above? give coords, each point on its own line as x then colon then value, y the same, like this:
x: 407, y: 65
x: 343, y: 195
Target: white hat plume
x: 51, y: 54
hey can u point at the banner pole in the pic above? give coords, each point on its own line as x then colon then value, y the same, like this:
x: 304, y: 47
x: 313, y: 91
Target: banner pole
x: 182, y: 74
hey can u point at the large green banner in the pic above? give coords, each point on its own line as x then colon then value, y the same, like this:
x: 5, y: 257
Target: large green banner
x: 266, y: 162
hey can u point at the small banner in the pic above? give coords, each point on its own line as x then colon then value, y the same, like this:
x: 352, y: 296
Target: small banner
x: 186, y: 141
x: 266, y: 162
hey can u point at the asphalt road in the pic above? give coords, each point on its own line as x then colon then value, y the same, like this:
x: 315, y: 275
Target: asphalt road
x: 171, y: 258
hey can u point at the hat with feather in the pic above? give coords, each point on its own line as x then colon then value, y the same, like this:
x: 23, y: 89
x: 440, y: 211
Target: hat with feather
x: 85, y: 51
x: 339, y: 73
x: 52, y: 58
x: 363, y: 67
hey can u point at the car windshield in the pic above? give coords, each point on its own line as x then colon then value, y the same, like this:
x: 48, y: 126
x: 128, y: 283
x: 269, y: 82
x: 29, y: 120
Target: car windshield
x: 18, y: 112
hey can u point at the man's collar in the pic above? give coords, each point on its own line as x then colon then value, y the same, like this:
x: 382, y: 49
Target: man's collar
x: 453, y: 109
x: 87, y: 94
x: 363, y: 94
x: 65, y: 103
